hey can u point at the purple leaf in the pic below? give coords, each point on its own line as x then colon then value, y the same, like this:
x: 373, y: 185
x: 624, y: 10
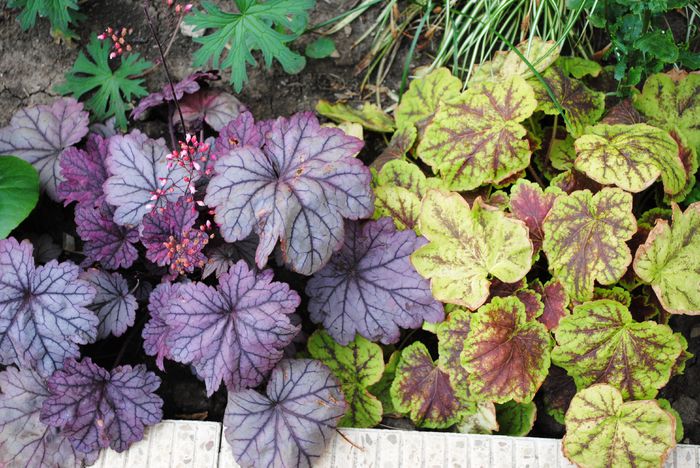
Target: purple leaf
x: 155, y: 332
x: 43, y: 315
x: 215, y: 107
x: 24, y: 440
x: 114, y: 305
x: 139, y: 171
x: 242, y: 131
x: 297, y: 188
x: 40, y: 134
x: 370, y: 287
x: 104, y: 240
x: 235, y: 333
x: 188, y: 85
x: 98, y: 409
x: 84, y: 172
x: 170, y: 239
x: 221, y: 258
x: 292, y: 425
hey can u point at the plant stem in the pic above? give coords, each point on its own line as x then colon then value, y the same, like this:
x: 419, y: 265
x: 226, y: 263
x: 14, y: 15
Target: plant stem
x: 173, y: 36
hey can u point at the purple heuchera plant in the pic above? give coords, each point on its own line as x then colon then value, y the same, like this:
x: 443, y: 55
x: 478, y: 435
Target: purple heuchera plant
x: 234, y: 333
x: 156, y: 333
x: 242, y: 131
x: 104, y: 241
x: 43, y: 314
x: 370, y: 287
x: 297, y: 188
x: 84, y: 172
x: 212, y: 106
x: 114, y: 305
x: 189, y: 85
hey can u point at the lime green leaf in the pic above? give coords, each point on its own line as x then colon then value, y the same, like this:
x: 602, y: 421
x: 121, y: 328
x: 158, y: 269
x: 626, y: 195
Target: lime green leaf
x: 666, y: 406
x: 19, y: 192
x: 516, y: 419
x: 582, y: 106
x: 601, y: 343
x: 477, y: 138
x: 631, y: 157
x: 382, y: 389
x: 669, y: 261
x: 689, y: 157
x: 370, y: 116
x: 506, y: 355
x: 562, y: 153
x: 579, y: 67
x: 466, y: 246
x: 320, y: 48
x: 111, y: 91
x: 541, y: 54
x: 357, y: 366
x: 401, y: 143
x: 420, y: 103
x: 672, y: 105
x: 584, y: 239
x: 615, y: 293
x: 601, y: 430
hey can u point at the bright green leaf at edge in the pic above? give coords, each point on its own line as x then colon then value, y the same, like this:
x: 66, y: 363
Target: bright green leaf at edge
x: 19, y: 192
x: 669, y: 261
x: 357, y: 366
x: 59, y: 12
x: 602, y: 431
x: 320, y: 48
x: 419, y: 104
x: 516, y: 419
x: 466, y: 246
x: 369, y: 115
x: 382, y: 389
x: 601, y: 343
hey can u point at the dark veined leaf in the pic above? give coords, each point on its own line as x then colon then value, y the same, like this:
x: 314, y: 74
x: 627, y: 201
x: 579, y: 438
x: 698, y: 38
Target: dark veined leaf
x: 114, y: 305
x: 105, y: 241
x: 356, y: 366
x: 516, y: 419
x: 292, y: 424
x: 97, y: 409
x: 557, y: 391
x: 84, y: 172
x: 156, y: 333
x: 623, y: 113
x: 19, y: 192
x: 601, y: 343
x: 584, y: 239
x: 420, y: 103
x: 235, y: 333
x: 110, y: 90
x: 297, y: 189
x: 400, y: 144
x: 61, y: 13
x: 452, y: 334
x: 369, y: 115
x: 370, y: 287
x: 555, y: 300
x: 241, y: 131
x: 41, y: 134
x: 601, y: 430
x: 530, y: 204
x: 222, y: 257
x: 212, y: 106
x: 689, y: 158
x: 43, y: 315
x: 506, y: 355
x: 265, y: 26
x: 506, y: 64
x: 188, y: 85
x: 25, y: 441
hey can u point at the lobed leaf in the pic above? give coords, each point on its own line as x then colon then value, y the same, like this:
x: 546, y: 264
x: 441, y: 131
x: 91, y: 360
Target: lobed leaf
x: 540, y: 55
x: 452, y: 335
x: 555, y: 300
x: 105, y: 241
x: 370, y: 116
x: 213, y: 106
x: 530, y: 204
x: 84, y: 172
x: 114, y: 305
x: 516, y: 419
x: 420, y: 103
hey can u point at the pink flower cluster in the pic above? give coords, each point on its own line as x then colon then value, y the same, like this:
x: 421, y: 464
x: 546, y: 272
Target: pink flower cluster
x: 178, y: 7
x: 118, y: 38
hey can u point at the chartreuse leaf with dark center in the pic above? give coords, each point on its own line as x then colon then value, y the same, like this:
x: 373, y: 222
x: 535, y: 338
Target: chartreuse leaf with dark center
x: 111, y: 90
x: 452, y: 334
x: 357, y: 366
x: 530, y: 204
x: 562, y: 153
x: 477, y: 138
x: 516, y: 419
x: 669, y: 260
x: 290, y: 425
x: 19, y: 192
x: 689, y: 158
x: 420, y: 103
x: 265, y: 26
x: 670, y: 105
x: 601, y: 430
x: 601, y: 343
x: 506, y: 355
x: 370, y: 116
x: 631, y: 157
x: 584, y: 239
x: 540, y: 55
x: 555, y: 300
x: 423, y: 389
x: 400, y: 144
x: 466, y: 246
x: 582, y: 106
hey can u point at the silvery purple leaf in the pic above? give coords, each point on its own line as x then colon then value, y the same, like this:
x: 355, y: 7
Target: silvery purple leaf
x: 155, y: 332
x: 235, y: 333
x: 104, y: 240
x: 242, y: 131
x: 297, y: 189
x: 84, y: 172
x: 370, y: 287
x: 114, y: 305
x: 106, y: 129
x: 221, y: 258
x: 43, y: 314
x: 139, y: 170
x: 212, y: 106
x: 98, y: 409
x: 291, y: 426
x: 188, y: 85
x: 24, y: 440
x: 40, y: 134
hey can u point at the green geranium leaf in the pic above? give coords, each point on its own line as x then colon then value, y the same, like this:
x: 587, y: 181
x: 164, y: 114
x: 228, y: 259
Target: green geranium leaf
x: 579, y: 67
x: 370, y: 116
x: 582, y: 106
x: 382, y: 389
x: 601, y: 343
x: 466, y: 246
x: 669, y: 261
x: 659, y: 44
x: 631, y: 157
x: 61, y: 13
x: 601, y: 430
x: 420, y: 103
x: 584, y: 239
x: 672, y: 105
x: 423, y: 390
x: 477, y: 138
x: 19, y: 192
x: 541, y: 54
x: 357, y: 366
x: 516, y: 419
x: 506, y: 355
